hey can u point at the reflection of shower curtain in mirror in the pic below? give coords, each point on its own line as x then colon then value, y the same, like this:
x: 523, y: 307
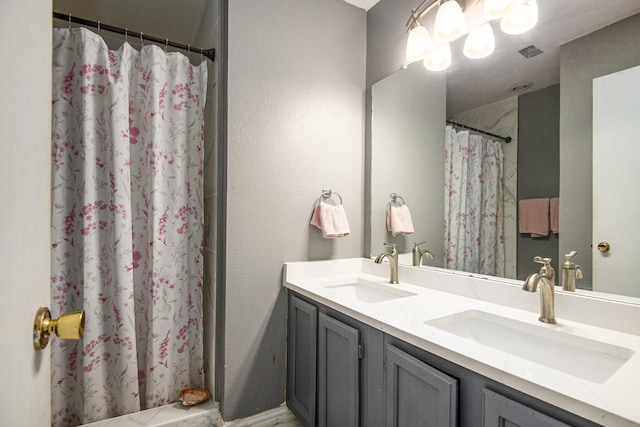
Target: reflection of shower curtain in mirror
x: 127, y: 225
x: 473, y: 205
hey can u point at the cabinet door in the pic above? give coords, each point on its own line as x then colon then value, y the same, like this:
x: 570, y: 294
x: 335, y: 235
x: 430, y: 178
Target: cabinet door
x: 418, y: 394
x: 301, y: 360
x: 500, y: 411
x: 338, y: 373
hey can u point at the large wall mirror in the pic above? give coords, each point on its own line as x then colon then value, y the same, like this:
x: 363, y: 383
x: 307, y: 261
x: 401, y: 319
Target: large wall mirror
x: 545, y: 103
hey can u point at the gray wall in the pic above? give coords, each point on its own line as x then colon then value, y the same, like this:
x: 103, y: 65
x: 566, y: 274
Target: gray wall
x: 603, y: 52
x: 407, y: 157
x: 386, y: 38
x: 296, y: 94
x: 538, y: 169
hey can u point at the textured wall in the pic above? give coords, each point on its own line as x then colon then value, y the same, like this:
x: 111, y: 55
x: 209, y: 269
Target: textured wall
x: 603, y: 52
x: 387, y: 38
x: 296, y: 89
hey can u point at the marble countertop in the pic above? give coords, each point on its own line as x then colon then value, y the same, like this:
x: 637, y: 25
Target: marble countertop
x: 609, y: 401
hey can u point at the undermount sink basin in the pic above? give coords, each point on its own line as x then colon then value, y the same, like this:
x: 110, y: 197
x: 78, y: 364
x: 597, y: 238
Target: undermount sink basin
x: 588, y: 359
x: 369, y: 292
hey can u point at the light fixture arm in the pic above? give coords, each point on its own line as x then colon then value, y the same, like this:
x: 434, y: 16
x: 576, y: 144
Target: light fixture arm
x: 414, y: 19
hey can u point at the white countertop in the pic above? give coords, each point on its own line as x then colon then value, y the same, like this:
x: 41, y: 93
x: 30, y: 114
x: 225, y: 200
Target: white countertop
x: 613, y: 402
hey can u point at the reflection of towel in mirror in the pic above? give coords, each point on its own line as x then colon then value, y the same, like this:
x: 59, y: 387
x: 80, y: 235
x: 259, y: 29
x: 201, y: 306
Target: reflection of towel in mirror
x: 399, y: 220
x: 533, y: 217
x: 554, y: 214
x: 331, y: 220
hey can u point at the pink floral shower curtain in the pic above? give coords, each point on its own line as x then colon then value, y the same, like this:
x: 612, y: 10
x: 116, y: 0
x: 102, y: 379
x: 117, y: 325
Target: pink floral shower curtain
x: 473, y: 204
x: 127, y: 225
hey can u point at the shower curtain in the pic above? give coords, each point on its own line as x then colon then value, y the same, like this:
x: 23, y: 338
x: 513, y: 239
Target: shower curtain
x: 127, y: 225
x: 474, y: 205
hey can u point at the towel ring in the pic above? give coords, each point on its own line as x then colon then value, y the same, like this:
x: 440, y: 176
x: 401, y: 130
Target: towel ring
x: 327, y: 194
x: 393, y: 198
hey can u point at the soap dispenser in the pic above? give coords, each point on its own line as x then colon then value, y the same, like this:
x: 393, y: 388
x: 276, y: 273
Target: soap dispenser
x: 570, y: 272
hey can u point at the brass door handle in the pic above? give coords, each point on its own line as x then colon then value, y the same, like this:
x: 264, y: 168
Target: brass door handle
x: 604, y: 247
x: 68, y: 326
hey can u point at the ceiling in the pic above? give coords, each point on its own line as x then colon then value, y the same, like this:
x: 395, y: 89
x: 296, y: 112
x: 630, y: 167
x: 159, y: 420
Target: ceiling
x: 470, y: 83
x: 363, y: 4
x: 473, y: 83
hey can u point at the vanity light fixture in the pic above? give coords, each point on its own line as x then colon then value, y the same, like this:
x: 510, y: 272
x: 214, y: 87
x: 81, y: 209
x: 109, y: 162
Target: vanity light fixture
x: 495, y: 9
x: 517, y: 16
x: 522, y: 17
x: 480, y: 43
x: 418, y: 43
x: 450, y: 23
x: 439, y: 58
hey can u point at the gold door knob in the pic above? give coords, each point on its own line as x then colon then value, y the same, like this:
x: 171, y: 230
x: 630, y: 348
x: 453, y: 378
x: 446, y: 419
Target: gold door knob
x: 604, y: 247
x: 68, y: 326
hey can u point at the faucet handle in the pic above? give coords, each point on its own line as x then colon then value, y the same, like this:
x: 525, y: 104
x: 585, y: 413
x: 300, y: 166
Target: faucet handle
x: 394, y: 251
x: 540, y: 260
x: 570, y: 255
x: 418, y: 244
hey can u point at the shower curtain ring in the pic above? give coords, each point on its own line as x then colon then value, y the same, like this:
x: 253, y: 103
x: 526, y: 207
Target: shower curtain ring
x: 166, y: 45
x: 69, y: 21
x: 142, y: 38
x: 126, y: 35
x: 98, y: 27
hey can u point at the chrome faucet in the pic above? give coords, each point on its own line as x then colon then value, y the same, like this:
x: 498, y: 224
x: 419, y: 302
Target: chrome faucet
x: 417, y: 254
x: 393, y: 261
x: 546, y: 278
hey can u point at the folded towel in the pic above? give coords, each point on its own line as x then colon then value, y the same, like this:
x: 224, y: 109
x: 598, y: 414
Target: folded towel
x: 554, y: 214
x: 399, y: 220
x: 331, y: 220
x: 533, y: 217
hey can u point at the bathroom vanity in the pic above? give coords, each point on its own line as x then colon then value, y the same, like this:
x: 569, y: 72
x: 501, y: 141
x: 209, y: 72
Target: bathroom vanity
x: 444, y: 349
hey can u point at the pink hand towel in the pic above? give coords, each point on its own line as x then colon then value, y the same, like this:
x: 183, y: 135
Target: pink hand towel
x: 331, y: 220
x: 533, y: 217
x: 399, y: 220
x: 554, y: 214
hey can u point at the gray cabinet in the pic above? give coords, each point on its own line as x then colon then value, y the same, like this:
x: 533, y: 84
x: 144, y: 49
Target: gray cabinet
x: 343, y: 373
x: 500, y: 411
x: 418, y: 394
x: 301, y: 360
x: 338, y: 373
x: 334, y: 367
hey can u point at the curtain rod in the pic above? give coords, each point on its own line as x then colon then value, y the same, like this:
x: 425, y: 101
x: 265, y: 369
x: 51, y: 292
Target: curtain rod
x: 209, y: 53
x: 506, y: 139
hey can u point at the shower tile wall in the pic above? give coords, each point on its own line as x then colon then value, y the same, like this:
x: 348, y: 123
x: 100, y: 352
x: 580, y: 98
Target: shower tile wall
x: 501, y: 118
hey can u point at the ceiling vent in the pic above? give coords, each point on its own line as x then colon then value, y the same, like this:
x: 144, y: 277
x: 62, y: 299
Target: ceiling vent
x: 530, y: 51
x: 520, y: 87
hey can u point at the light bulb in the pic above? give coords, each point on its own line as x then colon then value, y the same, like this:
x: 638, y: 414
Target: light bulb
x: 480, y: 42
x: 494, y: 9
x: 522, y: 17
x: 418, y: 43
x: 450, y: 23
x: 438, y: 58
